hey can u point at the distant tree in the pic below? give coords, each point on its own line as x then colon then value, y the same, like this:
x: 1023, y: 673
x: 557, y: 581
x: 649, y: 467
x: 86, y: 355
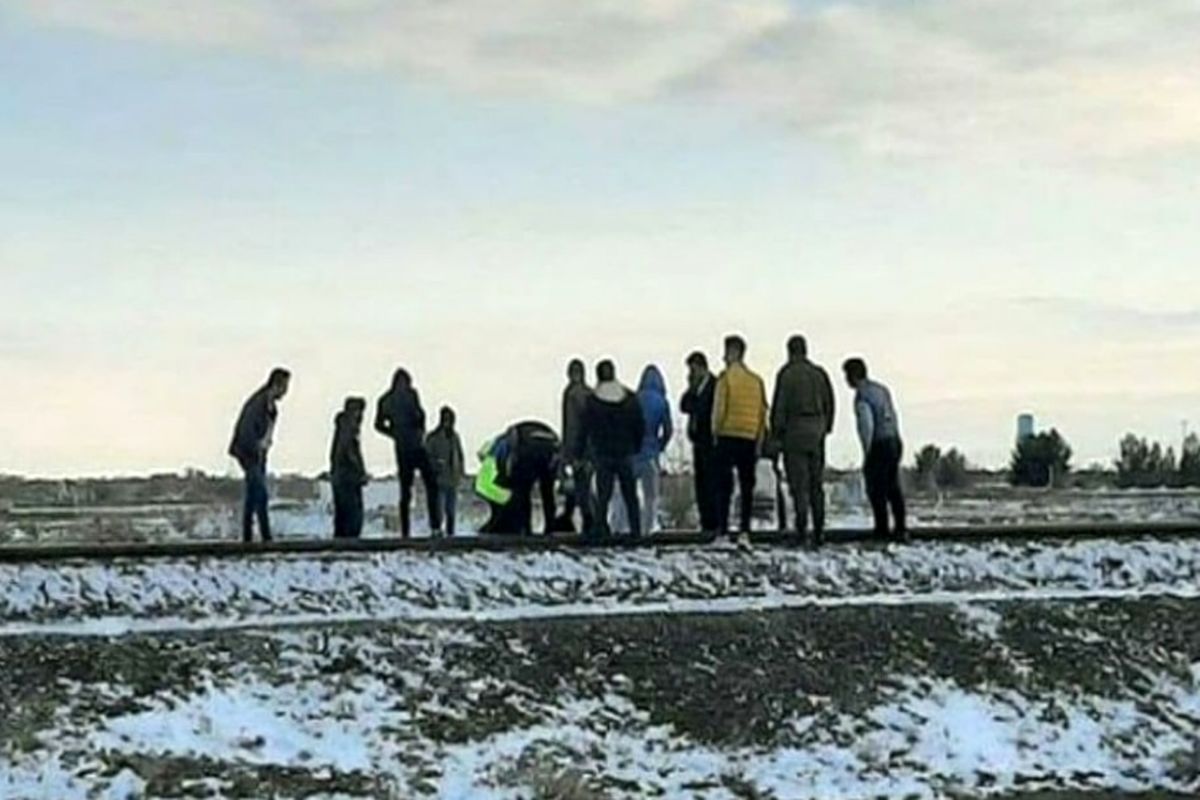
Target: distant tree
x: 1144, y: 465
x: 952, y: 470
x: 925, y: 466
x: 1040, y: 460
x: 933, y: 469
x: 1189, y: 462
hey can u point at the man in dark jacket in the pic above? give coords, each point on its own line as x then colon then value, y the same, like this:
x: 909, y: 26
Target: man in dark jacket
x: 801, y: 419
x: 399, y: 416
x: 613, y: 432
x: 347, y: 471
x: 252, y: 436
x: 574, y: 456
x: 697, y: 404
x: 523, y: 457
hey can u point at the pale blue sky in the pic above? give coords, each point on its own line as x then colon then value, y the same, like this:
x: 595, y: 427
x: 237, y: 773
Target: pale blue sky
x: 999, y: 218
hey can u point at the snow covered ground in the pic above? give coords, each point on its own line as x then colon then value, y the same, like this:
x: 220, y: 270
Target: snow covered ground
x: 935, y: 670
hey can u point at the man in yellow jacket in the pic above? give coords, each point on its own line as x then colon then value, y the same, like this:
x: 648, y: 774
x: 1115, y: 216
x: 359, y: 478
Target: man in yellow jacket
x: 740, y: 428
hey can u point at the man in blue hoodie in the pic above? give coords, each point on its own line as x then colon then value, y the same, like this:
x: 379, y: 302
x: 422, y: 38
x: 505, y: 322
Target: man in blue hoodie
x: 647, y: 464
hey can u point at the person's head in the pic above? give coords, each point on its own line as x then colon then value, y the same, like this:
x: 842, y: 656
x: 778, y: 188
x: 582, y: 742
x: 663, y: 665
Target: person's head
x: 401, y: 379
x: 278, y: 383
x: 354, y: 409
x: 576, y: 371
x: 697, y: 364
x: 652, y: 380
x: 735, y: 349
x: 606, y: 371
x: 856, y: 371
x: 447, y: 418
x: 797, y: 347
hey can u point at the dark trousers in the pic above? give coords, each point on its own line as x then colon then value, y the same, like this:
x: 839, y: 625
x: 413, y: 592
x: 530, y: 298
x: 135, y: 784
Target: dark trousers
x: 410, y: 463
x: 347, y: 512
x: 619, y: 470
x: 257, y: 502
x: 806, y: 482
x: 704, y: 468
x: 740, y: 456
x: 580, y: 497
x: 882, y: 472
x: 535, y: 467
x: 448, y: 500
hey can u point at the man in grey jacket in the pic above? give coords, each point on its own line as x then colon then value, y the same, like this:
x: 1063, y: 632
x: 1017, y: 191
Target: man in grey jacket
x: 801, y: 419
x: 879, y: 432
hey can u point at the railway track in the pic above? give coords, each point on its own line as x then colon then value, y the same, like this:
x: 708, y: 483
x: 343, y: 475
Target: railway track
x: 24, y: 553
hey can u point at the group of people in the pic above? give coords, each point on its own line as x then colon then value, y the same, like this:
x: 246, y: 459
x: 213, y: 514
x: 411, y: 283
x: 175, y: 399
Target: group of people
x: 612, y: 438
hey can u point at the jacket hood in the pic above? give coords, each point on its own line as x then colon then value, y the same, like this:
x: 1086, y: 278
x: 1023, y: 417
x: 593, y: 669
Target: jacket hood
x: 652, y: 381
x: 611, y: 392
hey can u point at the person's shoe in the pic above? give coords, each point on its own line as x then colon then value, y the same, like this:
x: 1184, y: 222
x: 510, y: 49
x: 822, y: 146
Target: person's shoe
x: 903, y: 536
x: 818, y: 539
x: 742, y: 540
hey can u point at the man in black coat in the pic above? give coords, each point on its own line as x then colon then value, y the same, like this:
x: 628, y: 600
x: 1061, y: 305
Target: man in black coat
x: 613, y: 429
x: 697, y: 404
x: 347, y: 471
x: 527, y: 457
x: 252, y: 436
x: 399, y: 416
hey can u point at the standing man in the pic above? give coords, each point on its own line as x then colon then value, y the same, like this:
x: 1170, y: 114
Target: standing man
x: 697, y: 404
x: 574, y: 455
x: 740, y: 427
x: 347, y: 471
x: 252, y: 437
x: 613, y: 431
x: 801, y: 419
x: 449, y: 464
x: 879, y: 432
x: 399, y: 416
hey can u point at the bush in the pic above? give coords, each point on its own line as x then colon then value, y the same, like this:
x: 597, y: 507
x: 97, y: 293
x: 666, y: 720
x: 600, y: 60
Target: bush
x: 1042, y: 460
x: 1144, y: 465
x: 937, y: 470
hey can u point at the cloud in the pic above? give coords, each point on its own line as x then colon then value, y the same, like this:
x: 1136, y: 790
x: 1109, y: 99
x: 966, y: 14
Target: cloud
x: 1092, y: 78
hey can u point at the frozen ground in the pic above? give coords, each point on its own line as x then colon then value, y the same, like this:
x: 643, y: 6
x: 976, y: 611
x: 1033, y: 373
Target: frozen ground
x: 1067, y: 669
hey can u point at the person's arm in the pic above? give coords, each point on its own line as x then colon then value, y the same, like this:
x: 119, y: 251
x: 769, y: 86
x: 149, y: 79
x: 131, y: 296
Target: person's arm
x: 637, y: 424
x: 763, y: 410
x: 359, y: 465
x: 830, y: 401
x: 780, y: 409
x: 383, y: 419
x: 720, y: 402
x: 866, y: 424
x: 668, y: 428
x: 687, y: 404
x: 461, y: 466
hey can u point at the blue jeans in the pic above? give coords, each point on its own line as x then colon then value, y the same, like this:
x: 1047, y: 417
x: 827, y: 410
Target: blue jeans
x: 448, y: 496
x: 256, y: 504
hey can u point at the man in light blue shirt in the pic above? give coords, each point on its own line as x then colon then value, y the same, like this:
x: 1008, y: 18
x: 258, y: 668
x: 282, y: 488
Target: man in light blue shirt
x: 879, y: 432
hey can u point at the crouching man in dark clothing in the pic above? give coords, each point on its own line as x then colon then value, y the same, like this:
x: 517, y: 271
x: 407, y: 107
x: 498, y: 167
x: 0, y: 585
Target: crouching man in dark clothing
x: 879, y: 432
x: 252, y: 437
x: 347, y: 471
x: 511, y: 465
x: 614, y: 427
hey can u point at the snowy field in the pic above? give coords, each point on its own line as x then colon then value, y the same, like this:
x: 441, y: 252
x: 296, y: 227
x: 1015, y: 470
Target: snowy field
x: 1032, y: 670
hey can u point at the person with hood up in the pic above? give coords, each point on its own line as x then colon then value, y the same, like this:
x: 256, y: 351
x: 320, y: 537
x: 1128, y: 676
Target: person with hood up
x: 347, y: 471
x: 511, y: 465
x: 400, y: 417
x: 613, y: 432
x: 647, y: 466
x: 252, y: 438
x: 446, y: 455
x: 575, y: 466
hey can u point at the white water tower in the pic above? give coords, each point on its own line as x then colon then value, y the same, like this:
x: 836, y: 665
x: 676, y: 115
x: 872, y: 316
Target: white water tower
x: 1026, y: 427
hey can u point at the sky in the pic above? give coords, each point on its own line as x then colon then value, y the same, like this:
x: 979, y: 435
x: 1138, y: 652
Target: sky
x: 992, y: 201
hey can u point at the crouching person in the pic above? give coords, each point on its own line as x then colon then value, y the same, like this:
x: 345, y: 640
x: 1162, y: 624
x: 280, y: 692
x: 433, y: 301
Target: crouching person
x: 446, y: 455
x: 347, y: 471
x: 512, y: 465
